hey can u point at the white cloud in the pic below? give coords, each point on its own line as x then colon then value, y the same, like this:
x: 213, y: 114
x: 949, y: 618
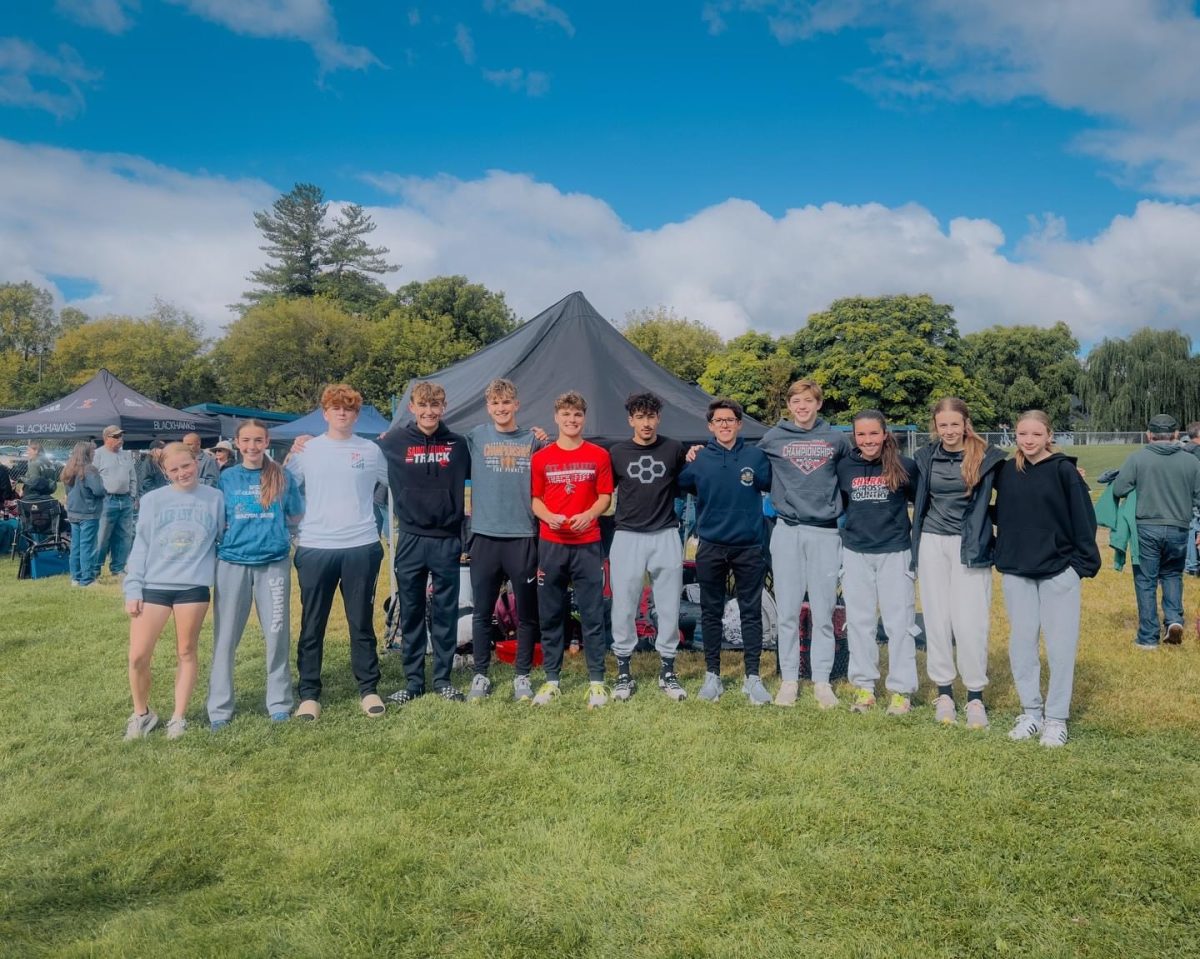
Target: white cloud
x: 310, y: 21
x: 465, y: 43
x: 31, y: 77
x: 112, y: 16
x: 139, y: 231
x: 535, y: 10
x: 535, y: 83
x: 135, y: 229
x: 1133, y: 64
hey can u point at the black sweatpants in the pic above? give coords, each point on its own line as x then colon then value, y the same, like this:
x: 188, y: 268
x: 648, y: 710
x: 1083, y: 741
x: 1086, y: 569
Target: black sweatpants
x: 493, y: 560
x: 418, y: 558
x: 320, y: 572
x: 581, y: 564
x: 714, y: 563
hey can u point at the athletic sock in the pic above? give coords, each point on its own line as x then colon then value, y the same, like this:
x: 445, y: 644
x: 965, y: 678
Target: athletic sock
x: 623, y: 664
x: 975, y: 694
x: 946, y: 691
x: 668, y: 666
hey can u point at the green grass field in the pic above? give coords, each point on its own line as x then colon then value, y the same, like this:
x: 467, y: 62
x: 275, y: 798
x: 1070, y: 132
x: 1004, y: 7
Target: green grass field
x: 645, y: 829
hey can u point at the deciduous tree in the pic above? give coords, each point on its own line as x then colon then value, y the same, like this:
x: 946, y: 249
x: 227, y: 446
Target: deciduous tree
x: 680, y: 345
x: 1025, y: 367
x: 1126, y: 381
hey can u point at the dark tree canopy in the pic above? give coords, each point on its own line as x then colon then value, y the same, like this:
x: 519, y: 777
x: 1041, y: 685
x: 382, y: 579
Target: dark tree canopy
x: 1025, y: 368
x: 1125, y: 382
x: 308, y: 256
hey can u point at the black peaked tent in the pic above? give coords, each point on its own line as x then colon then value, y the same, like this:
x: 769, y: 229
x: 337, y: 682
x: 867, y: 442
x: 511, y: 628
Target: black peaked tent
x: 102, y: 401
x: 572, y: 347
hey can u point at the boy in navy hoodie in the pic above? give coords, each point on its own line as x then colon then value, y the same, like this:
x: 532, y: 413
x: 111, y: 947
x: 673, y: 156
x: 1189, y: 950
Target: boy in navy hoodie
x: 428, y: 467
x: 728, y: 478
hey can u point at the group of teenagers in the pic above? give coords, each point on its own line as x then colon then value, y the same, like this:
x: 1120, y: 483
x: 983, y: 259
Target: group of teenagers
x: 842, y: 506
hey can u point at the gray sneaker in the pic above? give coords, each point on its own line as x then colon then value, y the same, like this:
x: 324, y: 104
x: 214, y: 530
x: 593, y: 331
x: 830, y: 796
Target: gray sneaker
x: 139, y: 726
x: 176, y: 728
x: 522, y: 689
x: 755, y: 691
x: 711, y: 689
x: 481, y: 688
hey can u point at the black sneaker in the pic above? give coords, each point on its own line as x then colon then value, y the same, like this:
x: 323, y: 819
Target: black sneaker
x: 624, y: 687
x: 669, y: 684
x: 450, y: 693
x: 402, y: 696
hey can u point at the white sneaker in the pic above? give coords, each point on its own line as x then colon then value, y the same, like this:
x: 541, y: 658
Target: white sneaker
x: 1027, y: 726
x: 1055, y: 734
x: 977, y: 717
x: 789, y: 689
x: 944, y: 710
x: 824, y: 695
x: 176, y: 728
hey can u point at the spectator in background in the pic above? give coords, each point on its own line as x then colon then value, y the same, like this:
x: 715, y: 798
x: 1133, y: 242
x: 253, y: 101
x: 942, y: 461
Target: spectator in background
x: 210, y: 470
x: 1192, y: 567
x: 85, y: 501
x: 1167, y: 482
x: 223, y: 454
x: 8, y: 521
x: 39, y: 472
x: 149, y: 469
x: 119, y: 474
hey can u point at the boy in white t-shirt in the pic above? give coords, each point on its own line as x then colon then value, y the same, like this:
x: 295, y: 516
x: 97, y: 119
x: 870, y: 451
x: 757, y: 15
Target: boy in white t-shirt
x: 338, y: 545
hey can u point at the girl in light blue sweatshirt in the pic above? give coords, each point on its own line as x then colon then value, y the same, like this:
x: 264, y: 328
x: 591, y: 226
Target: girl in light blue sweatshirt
x: 170, y: 569
x: 261, y: 501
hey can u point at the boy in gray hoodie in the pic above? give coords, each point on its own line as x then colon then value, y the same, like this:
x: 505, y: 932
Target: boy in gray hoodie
x: 806, y: 551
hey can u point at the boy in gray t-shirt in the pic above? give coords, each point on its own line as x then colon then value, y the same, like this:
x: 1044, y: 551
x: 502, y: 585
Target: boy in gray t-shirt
x: 503, y: 534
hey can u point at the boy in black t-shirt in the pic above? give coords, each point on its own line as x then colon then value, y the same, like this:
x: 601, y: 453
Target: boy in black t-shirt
x: 646, y: 541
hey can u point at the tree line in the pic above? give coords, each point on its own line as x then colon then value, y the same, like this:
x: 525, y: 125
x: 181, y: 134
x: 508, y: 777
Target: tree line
x: 320, y: 312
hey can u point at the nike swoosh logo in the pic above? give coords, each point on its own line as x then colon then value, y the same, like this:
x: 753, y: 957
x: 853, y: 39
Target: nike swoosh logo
x: 530, y: 580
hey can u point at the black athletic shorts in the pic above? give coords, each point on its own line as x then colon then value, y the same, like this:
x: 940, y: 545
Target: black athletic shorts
x: 173, y: 597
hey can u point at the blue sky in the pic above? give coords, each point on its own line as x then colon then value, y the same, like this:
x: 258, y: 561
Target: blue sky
x: 743, y: 161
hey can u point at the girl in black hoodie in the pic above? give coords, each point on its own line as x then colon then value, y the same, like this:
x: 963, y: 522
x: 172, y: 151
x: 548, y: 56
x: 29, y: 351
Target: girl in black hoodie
x: 1045, y: 544
x: 876, y: 484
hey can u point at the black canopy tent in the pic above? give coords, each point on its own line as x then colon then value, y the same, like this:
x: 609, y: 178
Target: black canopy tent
x: 102, y: 401
x: 572, y: 347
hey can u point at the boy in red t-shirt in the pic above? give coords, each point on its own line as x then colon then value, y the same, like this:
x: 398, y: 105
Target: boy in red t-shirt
x: 572, y: 485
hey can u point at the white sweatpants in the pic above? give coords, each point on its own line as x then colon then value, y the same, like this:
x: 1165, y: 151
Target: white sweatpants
x: 957, y: 601
x: 630, y: 558
x: 805, y: 559
x: 880, y: 581
x: 1049, y: 606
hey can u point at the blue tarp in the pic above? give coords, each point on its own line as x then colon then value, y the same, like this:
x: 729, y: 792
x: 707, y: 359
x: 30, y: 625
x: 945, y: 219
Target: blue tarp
x: 370, y: 423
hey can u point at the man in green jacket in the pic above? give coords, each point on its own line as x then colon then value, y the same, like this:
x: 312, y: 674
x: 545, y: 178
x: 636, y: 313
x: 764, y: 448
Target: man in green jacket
x: 1167, y: 480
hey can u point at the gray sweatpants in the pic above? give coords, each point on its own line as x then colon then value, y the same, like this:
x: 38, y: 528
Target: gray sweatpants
x: 957, y: 602
x: 630, y: 558
x: 883, y: 581
x: 805, y: 559
x: 1050, y: 606
x: 270, y: 586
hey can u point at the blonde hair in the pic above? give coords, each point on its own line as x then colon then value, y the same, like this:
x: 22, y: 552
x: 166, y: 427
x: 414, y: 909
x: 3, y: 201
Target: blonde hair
x: 974, y: 445
x: 428, y: 392
x: 806, y: 386
x: 500, y: 389
x: 272, y: 483
x: 1045, y: 421
x: 342, y: 395
x: 176, y: 447
x: 570, y: 400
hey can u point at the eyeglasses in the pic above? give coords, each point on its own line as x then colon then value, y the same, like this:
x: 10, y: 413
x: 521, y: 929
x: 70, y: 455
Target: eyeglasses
x: 723, y: 422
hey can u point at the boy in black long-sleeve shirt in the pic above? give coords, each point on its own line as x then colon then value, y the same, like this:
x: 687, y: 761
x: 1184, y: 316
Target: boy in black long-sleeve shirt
x: 428, y: 467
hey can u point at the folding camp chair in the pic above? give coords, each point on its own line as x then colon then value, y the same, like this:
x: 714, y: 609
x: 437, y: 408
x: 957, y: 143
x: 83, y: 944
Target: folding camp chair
x: 43, y: 540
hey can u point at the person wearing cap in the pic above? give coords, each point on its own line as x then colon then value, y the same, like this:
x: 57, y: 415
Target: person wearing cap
x: 223, y: 454
x: 210, y: 470
x: 1166, y: 480
x: 117, y: 471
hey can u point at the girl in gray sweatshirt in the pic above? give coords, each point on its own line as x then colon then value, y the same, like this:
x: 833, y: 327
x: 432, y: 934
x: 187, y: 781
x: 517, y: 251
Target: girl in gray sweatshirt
x: 170, y: 570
